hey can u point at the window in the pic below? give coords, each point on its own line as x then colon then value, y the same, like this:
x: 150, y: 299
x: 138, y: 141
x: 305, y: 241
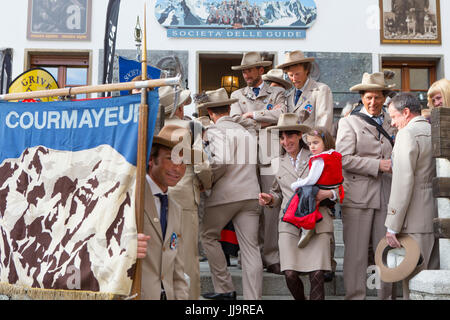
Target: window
x: 412, y: 76
x: 69, y: 70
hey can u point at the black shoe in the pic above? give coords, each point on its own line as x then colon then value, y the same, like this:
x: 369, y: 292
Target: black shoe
x: 220, y: 296
x: 328, y: 276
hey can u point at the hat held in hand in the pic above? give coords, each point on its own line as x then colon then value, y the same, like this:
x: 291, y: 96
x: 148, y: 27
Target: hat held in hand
x: 405, y: 267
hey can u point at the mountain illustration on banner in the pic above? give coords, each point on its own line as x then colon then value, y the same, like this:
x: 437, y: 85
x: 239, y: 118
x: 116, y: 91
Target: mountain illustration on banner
x: 235, y: 14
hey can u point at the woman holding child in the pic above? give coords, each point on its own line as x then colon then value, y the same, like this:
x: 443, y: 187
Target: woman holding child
x: 313, y: 256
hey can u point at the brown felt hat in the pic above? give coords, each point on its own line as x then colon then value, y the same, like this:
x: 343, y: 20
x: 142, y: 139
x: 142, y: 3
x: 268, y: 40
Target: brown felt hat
x: 170, y: 135
x: 167, y: 98
x: 216, y: 98
x: 406, y: 267
x: 372, y: 82
x: 293, y: 58
x: 251, y: 60
x: 277, y: 75
x: 289, y: 122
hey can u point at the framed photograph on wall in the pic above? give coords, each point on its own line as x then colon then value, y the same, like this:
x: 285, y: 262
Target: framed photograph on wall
x: 59, y: 20
x: 410, y: 22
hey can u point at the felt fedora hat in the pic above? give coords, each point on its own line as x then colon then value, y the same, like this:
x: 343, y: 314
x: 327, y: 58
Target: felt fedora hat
x: 250, y: 60
x: 277, y: 75
x: 216, y: 98
x: 406, y: 266
x: 374, y: 81
x: 167, y: 98
x: 170, y: 135
x: 294, y: 57
x: 289, y: 122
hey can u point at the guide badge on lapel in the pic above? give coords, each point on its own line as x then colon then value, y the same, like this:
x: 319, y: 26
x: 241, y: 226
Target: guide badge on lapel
x: 173, y: 241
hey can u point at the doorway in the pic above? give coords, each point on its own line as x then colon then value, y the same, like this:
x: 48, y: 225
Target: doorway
x: 213, y: 66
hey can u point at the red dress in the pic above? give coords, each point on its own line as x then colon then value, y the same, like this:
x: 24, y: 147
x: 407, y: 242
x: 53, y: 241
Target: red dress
x: 330, y: 178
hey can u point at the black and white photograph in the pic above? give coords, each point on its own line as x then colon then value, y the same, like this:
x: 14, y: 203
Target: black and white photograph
x: 410, y: 21
x: 59, y: 19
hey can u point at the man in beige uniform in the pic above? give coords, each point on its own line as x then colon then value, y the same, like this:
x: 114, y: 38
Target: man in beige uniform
x: 234, y: 196
x: 412, y: 207
x: 311, y: 100
x: 186, y: 193
x: 263, y: 103
x: 160, y: 244
x: 366, y: 163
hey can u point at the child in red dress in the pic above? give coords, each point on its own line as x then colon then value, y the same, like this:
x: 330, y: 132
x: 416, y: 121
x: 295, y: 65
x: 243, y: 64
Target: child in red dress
x: 325, y: 172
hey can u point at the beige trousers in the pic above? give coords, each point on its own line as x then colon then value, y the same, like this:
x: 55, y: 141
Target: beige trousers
x: 359, y: 227
x: 189, y: 253
x: 245, y: 216
x: 268, y: 226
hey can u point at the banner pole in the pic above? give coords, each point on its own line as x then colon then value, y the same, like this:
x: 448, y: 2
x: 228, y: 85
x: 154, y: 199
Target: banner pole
x: 141, y: 162
x: 152, y: 83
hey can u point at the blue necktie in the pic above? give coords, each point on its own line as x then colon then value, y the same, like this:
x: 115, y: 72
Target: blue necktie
x: 298, y: 93
x: 256, y: 91
x: 163, y: 214
x: 378, y: 119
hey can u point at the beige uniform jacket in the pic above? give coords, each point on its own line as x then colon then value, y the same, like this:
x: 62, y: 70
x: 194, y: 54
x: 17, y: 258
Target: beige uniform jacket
x: 285, y: 175
x: 315, y: 105
x: 234, y: 169
x: 362, y: 148
x: 187, y: 191
x: 411, y: 207
x: 162, y: 264
x: 268, y: 97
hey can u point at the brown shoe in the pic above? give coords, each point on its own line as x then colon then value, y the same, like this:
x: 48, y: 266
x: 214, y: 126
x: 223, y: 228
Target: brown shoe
x: 274, y: 268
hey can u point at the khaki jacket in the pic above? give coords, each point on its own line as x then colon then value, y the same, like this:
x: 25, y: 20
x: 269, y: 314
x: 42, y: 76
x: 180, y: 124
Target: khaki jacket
x: 187, y: 191
x: 411, y: 207
x: 163, y: 263
x: 248, y: 102
x: 315, y: 105
x: 233, y: 164
x: 362, y: 148
x: 285, y: 175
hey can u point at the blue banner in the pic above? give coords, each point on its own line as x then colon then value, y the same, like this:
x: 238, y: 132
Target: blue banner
x: 75, y: 125
x: 129, y: 69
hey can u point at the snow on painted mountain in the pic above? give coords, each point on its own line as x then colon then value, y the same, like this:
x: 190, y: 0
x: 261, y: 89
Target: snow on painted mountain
x: 273, y: 13
x: 67, y: 220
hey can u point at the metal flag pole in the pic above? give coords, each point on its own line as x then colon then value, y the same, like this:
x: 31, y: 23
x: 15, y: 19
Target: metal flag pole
x: 141, y: 162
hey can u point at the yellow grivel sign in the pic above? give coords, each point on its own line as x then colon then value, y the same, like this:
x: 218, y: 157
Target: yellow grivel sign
x: 35, y: 79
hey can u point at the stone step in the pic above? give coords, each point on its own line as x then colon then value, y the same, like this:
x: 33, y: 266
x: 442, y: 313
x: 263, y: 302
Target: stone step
x: 275, y: 285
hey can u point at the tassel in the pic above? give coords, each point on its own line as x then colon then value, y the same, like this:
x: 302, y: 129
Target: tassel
x: 16, y: 292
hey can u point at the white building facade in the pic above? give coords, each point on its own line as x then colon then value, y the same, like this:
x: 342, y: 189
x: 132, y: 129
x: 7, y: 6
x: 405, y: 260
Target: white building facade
x: 344, y: 38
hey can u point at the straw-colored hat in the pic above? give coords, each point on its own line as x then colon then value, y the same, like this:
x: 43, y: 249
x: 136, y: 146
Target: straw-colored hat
x: 216, y: 98
x: 167, y: 98
x: 170, y: 135
x: 294, y: 57
x: 205, y: 121
x: 372, y: 82
x: 289, y: 122
x: 406, y: 266
x: 276, y: 75
x: 250, y: 60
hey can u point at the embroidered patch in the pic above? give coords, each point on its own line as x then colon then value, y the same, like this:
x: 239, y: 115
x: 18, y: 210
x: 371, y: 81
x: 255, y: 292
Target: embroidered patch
x: 269, y: 106
x: 173, y: 241
x: 309, y: 108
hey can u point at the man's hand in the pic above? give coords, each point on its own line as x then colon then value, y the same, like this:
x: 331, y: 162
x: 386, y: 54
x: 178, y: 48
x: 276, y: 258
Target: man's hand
x: 265, y: 199
x: 323, y: 194
x: 392, y: 241
x: 386, y: 166
x: 142, y: 245
x: 248, y: 115
x: 278, y: 106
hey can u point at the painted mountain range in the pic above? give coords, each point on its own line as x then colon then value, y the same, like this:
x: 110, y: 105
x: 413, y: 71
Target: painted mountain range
x: 249, y: 13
